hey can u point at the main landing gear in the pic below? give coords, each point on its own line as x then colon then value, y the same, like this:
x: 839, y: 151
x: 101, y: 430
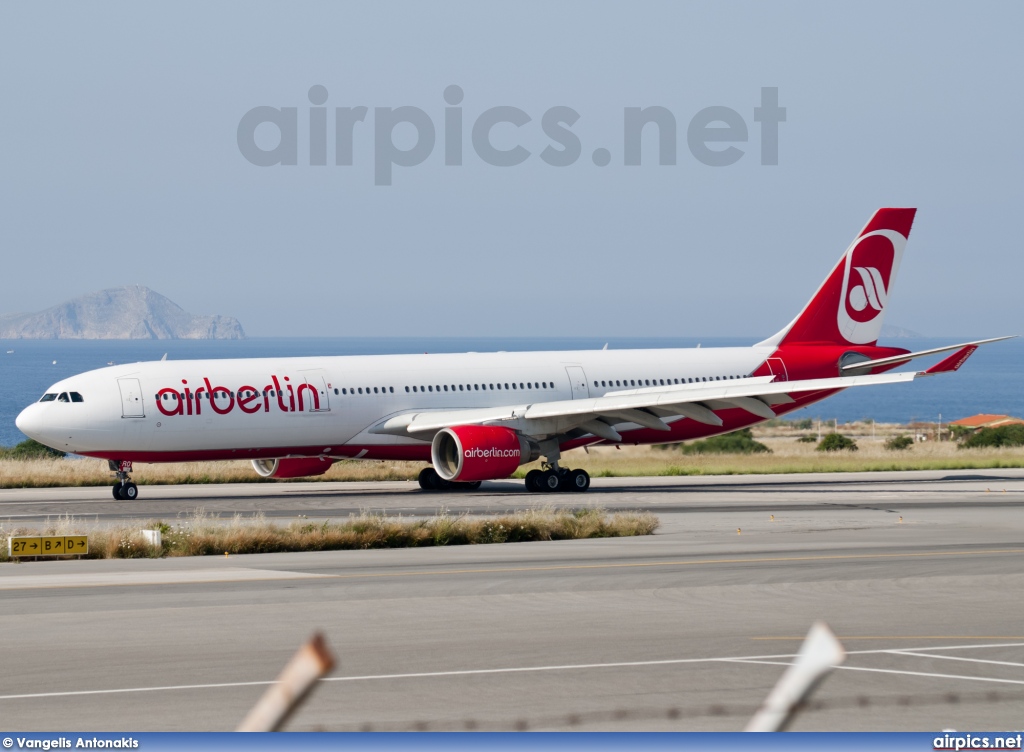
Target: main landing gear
x: 123, y: 488
x: 556, y: 478
x: 431, y: 481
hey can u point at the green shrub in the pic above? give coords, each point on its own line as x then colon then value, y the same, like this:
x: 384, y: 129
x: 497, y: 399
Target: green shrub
x: 1000, y: 436
x: 897, y: 443
x: 737, y: 442
x: 30, y: 449
x: 836, y: 442
x: 808, y: 439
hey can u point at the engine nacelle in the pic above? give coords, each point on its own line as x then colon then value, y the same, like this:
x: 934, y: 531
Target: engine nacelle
x: 471, y: 453
x: 292, y: 467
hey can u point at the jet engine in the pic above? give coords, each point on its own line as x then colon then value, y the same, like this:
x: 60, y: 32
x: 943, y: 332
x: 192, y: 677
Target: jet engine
x: 293, y: 467
x: 471, y: 453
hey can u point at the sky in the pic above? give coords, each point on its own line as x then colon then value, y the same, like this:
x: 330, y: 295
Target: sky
x: 123, y: 132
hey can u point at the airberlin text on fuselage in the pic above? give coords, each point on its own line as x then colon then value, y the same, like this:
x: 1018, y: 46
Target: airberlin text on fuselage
x: 221, y: 400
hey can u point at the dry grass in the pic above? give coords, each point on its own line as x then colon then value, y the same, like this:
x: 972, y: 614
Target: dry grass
x: 791, y: 456
x: 788, y: 456
x: 199, y: 535
x: 45, y: 473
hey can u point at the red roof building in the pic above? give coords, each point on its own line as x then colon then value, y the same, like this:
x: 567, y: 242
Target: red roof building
x: 986, y: 421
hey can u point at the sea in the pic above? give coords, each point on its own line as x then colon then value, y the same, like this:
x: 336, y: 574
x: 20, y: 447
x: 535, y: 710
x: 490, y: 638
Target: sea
x: 992, y: 381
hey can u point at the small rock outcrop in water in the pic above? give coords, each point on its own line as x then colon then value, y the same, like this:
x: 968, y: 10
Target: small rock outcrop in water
x: 133, y: 312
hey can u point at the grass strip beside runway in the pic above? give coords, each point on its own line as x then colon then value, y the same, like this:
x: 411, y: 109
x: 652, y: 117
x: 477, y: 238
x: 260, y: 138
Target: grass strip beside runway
x: 199, y: 535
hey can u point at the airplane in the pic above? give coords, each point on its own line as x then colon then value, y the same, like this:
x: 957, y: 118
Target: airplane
x: 479, y: 416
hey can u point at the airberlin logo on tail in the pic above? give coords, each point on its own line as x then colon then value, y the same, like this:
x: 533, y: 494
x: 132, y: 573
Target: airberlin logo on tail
x: 871, y: 266
x: 871, y: 291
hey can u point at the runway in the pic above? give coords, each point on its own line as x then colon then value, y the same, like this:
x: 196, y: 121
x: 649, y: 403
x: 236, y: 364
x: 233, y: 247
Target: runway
x: 664, y: 495
x: 684, y: 630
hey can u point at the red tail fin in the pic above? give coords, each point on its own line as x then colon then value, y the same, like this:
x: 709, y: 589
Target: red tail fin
x: 849, y: 306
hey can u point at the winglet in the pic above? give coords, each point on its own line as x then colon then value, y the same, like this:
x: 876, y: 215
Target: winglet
x: 952, y: 363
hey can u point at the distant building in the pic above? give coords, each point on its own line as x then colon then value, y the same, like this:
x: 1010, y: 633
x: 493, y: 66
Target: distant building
x: 984, y: 420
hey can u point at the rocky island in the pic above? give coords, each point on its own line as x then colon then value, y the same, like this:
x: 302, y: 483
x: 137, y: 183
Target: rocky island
x: 132, y: 312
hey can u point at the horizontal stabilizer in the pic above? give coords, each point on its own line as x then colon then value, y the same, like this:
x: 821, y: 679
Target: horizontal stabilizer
x: 911, y: 356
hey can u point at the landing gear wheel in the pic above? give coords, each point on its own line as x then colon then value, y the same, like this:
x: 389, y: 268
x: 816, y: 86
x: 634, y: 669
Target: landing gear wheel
x: 429, y: 479
x: 533, y: 479
x: 471, y: 486
x: 123, y: 488
x: 550, y: 481
x: 578, y: 480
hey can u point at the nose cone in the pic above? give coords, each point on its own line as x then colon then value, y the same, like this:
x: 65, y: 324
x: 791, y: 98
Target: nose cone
x: 30, y: 421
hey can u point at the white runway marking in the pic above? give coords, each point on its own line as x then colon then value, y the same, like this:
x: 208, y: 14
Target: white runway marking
x: 770, y: 660
x: 890, y: 671
x: 956, y: 658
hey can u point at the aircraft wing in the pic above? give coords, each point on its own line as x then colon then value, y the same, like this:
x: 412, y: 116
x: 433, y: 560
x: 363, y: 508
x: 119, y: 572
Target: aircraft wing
x: 648, y: 407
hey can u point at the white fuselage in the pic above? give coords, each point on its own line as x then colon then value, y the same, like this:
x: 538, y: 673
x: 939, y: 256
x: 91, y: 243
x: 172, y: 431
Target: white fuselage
x: 166, y: 408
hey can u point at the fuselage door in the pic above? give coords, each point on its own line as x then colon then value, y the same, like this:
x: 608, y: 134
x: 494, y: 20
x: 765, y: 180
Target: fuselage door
x: 778, y: 369
x: 578, y: 382
x: 131, y: 398
x: 314, y: 392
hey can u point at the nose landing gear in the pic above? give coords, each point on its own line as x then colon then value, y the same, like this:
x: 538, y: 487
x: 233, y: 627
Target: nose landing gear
x: 123, y: 488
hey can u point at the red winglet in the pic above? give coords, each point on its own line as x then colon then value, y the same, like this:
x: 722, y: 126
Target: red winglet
x: 953, y: 362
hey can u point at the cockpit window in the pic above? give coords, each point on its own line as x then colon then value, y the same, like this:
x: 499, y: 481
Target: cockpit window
x: 63, y: 397
x: 76, y: 397
x: 50, y: 397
